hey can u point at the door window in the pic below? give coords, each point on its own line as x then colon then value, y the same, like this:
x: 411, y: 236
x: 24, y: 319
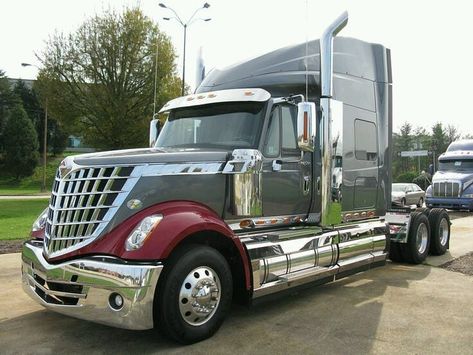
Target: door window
x: 281, y: 137
x: 289, y: 133
x: 271, y: 145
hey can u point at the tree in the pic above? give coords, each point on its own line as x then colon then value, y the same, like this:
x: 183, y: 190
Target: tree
x: 402, y: 141
x: 439, y: 139
x: 99, y: 80
x: 56, y: 135
x: 7, y: 100
x: 21, y: 144
x: 452, y: 133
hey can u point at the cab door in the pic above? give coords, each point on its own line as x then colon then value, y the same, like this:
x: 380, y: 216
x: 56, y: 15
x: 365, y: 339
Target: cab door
x: 286, y: 186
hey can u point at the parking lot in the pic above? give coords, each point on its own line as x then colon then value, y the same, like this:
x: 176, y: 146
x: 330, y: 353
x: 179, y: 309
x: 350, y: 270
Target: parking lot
x: 397, y: 308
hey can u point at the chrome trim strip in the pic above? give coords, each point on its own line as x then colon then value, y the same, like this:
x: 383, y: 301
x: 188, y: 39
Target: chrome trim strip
x: 256, y: 223
x: 68, y: 194
x: 183, y: 169
x: 82, y: 208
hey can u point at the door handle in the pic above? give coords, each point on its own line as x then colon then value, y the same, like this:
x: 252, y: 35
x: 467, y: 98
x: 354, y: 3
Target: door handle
x: 306, y: 184
x: 277, y: 165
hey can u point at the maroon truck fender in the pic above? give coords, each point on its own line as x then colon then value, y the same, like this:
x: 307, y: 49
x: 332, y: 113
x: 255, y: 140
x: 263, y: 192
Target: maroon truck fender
x: 181, y: 219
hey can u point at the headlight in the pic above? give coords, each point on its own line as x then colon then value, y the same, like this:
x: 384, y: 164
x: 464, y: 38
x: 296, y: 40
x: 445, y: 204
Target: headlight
x: 40, y: 222
x: 138, y: 236
x: 428, y: 192
x: 467, y: 196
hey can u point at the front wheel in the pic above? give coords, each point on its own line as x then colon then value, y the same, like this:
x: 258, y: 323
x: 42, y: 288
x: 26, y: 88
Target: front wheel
x: 195, y: 294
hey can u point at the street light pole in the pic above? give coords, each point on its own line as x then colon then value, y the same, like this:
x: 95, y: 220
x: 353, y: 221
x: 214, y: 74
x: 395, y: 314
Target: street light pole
x: 45, y: 134
x: 45, y: 145
x: 184, y: 62
x: 185, y: 25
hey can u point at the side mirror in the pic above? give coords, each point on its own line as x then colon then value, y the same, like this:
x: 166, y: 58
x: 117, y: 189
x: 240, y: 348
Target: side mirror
x: 431, y: 169
x: 306, y: 129
x: 154, y: 128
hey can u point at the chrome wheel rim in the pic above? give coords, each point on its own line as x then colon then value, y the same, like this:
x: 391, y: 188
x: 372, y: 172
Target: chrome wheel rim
x: 443, y: 231
x: 422, y: 237
x: 199, y: 296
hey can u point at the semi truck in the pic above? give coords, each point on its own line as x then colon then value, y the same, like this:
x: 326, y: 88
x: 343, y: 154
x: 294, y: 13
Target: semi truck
x: 452, y: 184
x: 233, y: 200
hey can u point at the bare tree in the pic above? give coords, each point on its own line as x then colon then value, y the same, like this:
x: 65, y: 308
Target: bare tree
x: 452, y: 133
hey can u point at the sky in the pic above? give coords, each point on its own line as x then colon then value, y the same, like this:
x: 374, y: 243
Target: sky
x: 430, y: 41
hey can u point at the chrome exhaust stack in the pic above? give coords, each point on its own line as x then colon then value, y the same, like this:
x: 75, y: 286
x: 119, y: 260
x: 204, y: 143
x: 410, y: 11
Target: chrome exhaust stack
x: 326, y: 107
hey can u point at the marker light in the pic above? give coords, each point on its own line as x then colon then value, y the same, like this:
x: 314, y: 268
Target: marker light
x: 138, y: 236
x: 40, y: 222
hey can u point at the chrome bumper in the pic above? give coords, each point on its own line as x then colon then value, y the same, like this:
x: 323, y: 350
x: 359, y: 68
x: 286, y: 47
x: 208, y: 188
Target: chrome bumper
x: 82, y: 288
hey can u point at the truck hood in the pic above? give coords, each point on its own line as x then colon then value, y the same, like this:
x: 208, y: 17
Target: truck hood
x: 165, y: 175
x: 152, y: 156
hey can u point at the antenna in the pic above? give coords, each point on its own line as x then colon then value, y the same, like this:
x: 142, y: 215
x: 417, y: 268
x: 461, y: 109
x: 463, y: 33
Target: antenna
x: 155, y: 76
x: 306, y: 50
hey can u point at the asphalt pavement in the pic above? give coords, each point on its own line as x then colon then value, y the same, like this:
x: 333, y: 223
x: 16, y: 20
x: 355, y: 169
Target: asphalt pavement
x: 398, y: 308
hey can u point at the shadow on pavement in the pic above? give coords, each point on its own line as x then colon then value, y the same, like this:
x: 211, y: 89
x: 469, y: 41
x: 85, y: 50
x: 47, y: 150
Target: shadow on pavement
x: 341, y: 317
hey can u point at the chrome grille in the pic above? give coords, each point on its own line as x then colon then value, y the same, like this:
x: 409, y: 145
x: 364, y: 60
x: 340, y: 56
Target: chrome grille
x: 446, y: 189
x: 82, y: 203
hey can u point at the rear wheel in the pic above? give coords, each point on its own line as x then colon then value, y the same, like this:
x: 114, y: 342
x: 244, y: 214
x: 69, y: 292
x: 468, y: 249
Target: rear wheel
x: 440, y: 231
x: 403, y: 202
x: 418, y: 241
x: 195, y: 294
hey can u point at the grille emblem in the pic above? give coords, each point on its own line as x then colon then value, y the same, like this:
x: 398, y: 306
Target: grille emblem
x: 134, y: 204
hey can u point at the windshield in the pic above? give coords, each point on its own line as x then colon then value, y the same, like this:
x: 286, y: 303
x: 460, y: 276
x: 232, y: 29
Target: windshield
x: 399, y: 187
x: 456, y: 165
x: 225, y: 125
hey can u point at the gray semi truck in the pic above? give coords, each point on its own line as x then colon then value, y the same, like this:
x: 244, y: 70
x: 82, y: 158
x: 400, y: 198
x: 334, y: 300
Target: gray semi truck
x: 233, y: 200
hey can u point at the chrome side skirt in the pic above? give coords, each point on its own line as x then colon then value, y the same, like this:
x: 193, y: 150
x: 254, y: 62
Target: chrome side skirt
x: 283, y: 259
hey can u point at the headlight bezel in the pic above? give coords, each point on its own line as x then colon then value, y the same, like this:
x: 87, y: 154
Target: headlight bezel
x: 40, y: 223
x: 142, y: 231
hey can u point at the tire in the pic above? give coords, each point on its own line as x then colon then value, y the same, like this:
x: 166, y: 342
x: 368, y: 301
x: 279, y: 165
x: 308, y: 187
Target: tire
x: 418, y: 241
x: 403, y: 202
x: 191, y: 270
x: 439, y: 231
x: 420, y: 203
x: 395, y: 252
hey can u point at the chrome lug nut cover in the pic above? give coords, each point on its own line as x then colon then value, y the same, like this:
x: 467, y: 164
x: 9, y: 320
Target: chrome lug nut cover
x: 199, y: 296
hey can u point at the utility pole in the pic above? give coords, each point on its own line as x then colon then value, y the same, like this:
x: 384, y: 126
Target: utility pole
x: 45, y: 145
